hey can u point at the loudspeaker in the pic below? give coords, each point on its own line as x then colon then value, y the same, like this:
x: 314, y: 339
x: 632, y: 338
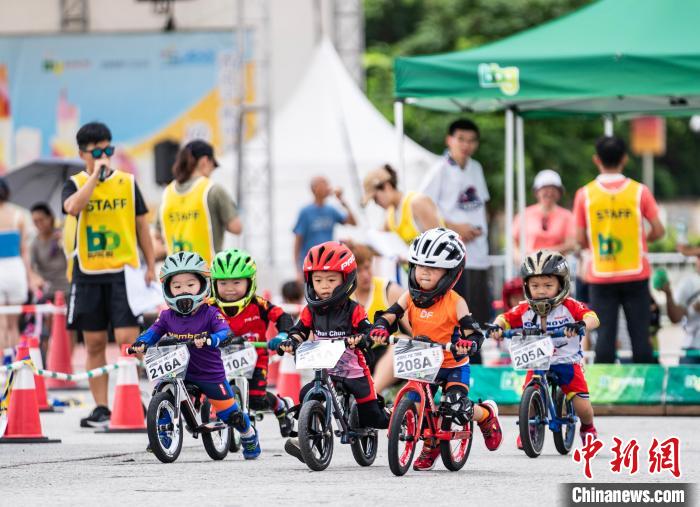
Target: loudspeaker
x: 165, y: 153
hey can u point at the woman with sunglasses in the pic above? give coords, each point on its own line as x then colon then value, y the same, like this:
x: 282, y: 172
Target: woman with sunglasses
x: 195, y: 212
x: 547, y: 225
x: 407, y: 215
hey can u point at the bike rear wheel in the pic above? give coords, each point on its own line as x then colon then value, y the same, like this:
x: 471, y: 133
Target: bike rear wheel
x: 564, y: 438
x: 455, y: 453
x: 404, y: 434
x: 364, y: 449
x: 164, y: 436
x: 315, y: 436
x: 215, y: 443
x: 531, y: 418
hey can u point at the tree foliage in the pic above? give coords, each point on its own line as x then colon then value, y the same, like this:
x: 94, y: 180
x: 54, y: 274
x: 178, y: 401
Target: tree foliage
x: 411, y: 27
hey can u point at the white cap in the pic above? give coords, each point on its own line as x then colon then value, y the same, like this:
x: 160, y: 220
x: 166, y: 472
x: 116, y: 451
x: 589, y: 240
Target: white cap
x: 547, y: 178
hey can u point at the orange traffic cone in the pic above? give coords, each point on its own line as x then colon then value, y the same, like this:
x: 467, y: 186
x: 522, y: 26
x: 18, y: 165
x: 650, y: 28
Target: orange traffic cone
x: 28, y: 347
x: 23, y: 422
x: 60, y: 347
x: 289, y: 379
x: 127, y: 410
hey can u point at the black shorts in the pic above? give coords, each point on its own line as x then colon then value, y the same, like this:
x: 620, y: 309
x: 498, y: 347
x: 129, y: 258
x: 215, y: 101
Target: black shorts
x: 94, y: 306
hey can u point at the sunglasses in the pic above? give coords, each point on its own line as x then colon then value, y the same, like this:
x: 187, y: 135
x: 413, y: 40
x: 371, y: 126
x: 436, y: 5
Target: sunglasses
x: 97, y: 152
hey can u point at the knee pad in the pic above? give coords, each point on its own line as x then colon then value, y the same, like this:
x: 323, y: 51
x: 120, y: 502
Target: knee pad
x: 238, y: 420
x: 371, y: 416
x: 458, y: 405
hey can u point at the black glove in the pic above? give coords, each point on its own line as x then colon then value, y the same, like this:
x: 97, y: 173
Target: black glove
x: 289, y: 342
x: 579, y: 327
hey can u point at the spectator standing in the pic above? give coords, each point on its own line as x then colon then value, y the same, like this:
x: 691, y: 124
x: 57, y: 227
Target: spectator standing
x: 316, y: 221
x: 16, y: 277
x: 610, y: 213
x: 457, y: 185
x: 547, y: 225
x: 109, y: 222
x: 46, y: 254
x: 195, y: 212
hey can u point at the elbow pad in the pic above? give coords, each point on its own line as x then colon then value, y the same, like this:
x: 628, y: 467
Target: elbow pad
x: 467, y: 323
x: 394, y: 309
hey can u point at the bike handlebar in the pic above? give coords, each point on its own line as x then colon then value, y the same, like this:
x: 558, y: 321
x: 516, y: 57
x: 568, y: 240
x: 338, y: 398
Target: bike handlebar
x: 559, y: 333
x: 167, y: 341
x: 424, y: 339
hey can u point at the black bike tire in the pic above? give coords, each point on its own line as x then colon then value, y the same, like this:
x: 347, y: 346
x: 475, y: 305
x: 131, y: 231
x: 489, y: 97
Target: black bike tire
x: 309, y: 410
x: 559, y: 440
x: 531, y: 393
x: 395, y: 431
x: 152, y: 427
x: 234, y: 442
x: 362, y: 457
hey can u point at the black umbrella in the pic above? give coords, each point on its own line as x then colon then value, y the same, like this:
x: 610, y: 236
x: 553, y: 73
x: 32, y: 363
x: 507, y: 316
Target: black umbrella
x: 42, y: 181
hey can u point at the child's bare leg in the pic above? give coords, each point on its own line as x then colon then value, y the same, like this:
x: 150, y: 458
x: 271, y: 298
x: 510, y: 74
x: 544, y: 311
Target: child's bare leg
x: 584, y: 409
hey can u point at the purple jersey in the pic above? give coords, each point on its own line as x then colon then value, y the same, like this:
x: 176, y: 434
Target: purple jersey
x: 205, y: 363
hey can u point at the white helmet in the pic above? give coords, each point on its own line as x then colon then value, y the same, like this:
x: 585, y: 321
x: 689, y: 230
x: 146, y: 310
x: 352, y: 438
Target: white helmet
x: 436, y: 248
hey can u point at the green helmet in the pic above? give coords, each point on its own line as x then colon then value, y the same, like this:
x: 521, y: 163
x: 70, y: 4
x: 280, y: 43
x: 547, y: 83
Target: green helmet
x: 234, y: 264
x: 185, y: 262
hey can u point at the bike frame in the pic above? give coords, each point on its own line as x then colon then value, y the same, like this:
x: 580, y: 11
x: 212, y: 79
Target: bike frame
x: 433, y: 430
x: 539, y: 378
x: 335, y: 406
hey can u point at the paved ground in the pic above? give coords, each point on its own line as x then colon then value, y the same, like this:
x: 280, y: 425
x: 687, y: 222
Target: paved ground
x: 88, y: 468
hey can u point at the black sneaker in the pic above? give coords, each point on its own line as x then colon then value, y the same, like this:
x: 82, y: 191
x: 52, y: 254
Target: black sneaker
x: 98, y: 418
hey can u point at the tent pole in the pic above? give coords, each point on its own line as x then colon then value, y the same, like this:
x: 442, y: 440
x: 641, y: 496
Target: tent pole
x: 520, y: 158
x: 508, y: 261
x: 398, y: 123
x: 608, y: 125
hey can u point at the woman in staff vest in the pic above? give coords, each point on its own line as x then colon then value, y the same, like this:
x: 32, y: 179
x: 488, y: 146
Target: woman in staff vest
x: 407, y: 214
x: 195, y: 212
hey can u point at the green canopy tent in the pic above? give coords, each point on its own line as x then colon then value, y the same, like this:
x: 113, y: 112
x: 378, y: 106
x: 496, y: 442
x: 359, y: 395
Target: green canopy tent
x: 615, y: 58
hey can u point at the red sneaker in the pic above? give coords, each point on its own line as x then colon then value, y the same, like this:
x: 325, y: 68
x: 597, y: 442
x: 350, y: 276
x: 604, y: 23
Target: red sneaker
x: 519, y: 443
x: 491, y: 427
x: 588, y: 431
x: 427, y: 458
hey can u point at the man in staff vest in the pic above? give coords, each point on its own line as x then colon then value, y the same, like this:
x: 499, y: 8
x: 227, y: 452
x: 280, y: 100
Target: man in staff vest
x: 610, y: 213
x: 107, y: 221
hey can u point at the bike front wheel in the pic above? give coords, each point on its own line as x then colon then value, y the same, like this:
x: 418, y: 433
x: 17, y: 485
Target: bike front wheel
x: 531, y: 420
x: 364, y: 449
x: 215, y: 443
x: 164, y: 435
x: 404, y: 434
x: 564, y: 438
x: 235, y: 437
x: 315, y: 436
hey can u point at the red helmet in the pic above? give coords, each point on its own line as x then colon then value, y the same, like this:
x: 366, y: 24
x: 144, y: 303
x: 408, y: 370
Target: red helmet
x: 512, y: 287
x: 330, y: 256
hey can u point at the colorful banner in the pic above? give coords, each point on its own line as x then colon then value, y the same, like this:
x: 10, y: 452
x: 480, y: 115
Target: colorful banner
x: 608, y: 383
x: 683, y: 386
x: 146, y: 87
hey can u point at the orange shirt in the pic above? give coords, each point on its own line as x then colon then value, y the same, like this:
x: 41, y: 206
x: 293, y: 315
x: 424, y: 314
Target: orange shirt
x: 648, y: 209
x: 438, y: 323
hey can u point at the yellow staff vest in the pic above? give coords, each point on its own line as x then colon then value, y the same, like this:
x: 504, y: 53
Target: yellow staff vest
x: 615, y: 229
x: 406, y: 227
x: 105, y: 239
x: 377, y: 297
x: 185, y: 220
